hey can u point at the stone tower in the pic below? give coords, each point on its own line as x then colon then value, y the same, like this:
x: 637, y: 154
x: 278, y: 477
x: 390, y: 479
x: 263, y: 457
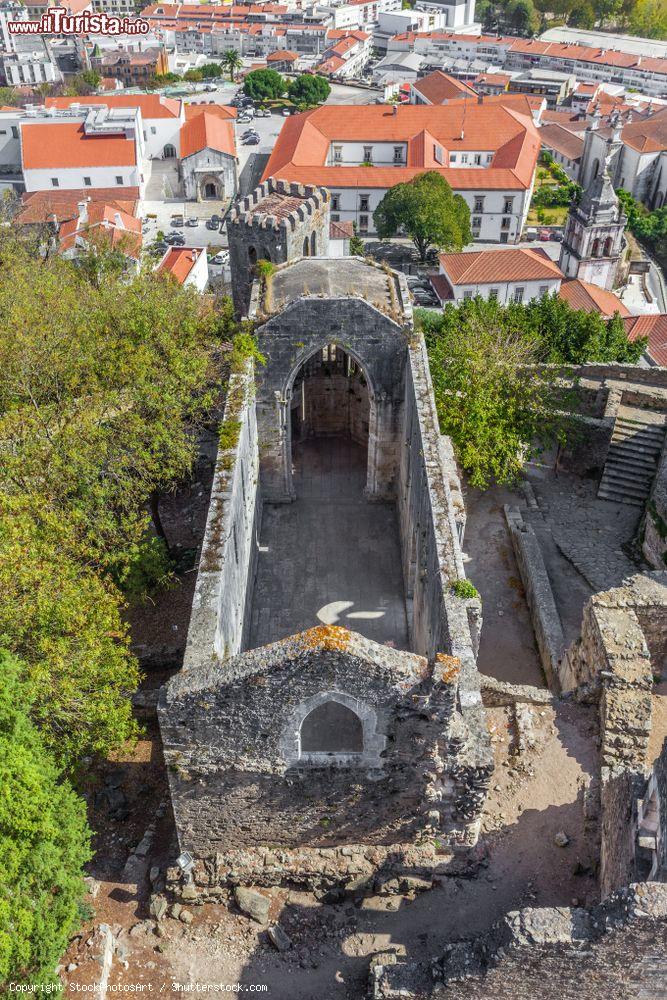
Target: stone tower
x: 278, y: 221
x: 593, y: 238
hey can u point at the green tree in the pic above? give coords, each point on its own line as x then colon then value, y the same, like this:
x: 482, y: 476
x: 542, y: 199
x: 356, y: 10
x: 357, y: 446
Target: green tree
x: 210, y: 71
x: 44, y: 843
x: 428, y: 211
x: 264, y: 84
x: 495, y: 415
x: 582, y: 15
x: 309, y: 89
x: 522, y: 17
x: 193, y: 75
x: 648, y: 18
x: 8, y: 96
x: 357, y: 247
x: 232, y: 62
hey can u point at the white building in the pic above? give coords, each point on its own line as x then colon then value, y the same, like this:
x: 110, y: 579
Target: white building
x: 593, y: 238
x: 635, y: 154
x: 80, y: 150
x: 161, y: 118
x: 487, y: 151
x: 186, y: 265
x: 512, y: 275
x: 357, y: 13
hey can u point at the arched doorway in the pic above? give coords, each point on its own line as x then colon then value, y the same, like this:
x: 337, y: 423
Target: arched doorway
x: 210, y: 188
x: 332, y: 728
x: 305, y: 247
x: 329, y: 420
x: 169, y: 151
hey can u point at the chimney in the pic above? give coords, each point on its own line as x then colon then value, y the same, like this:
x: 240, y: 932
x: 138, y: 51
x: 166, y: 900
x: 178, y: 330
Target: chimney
x: 395, y: 110
x: 83, y: 212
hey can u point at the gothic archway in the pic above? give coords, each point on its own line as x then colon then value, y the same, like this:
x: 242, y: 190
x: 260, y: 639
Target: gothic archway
x: 333, y: 728
x: 210, y: 188
x: 169, y: 151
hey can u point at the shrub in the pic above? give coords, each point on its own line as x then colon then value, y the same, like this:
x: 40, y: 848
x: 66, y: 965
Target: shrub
x: 465, y: 589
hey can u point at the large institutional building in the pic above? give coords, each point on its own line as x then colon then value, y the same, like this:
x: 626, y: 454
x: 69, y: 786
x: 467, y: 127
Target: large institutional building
x: 487, y: 150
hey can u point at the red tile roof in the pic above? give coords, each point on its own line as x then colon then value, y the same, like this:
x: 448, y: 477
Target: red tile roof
x: 122, y: 230
x: 655, y: 328
x: 221, y: 110
x: 179, y: 261
x: 438, y: 87
x: 282, y: 55
x: 591, y: 298
x: 40, y: 206
x: 302, y: 148
x: 47, y: 146
x: 207, y: 131
x: 152, y: 105
x: 486, y: 267
x: 341, y: 230
x: 562, y: 140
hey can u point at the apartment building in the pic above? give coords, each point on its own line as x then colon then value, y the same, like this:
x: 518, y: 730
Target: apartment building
x: 646, y: 74
x: 357, y: 13
x: 486, y: 150
x: 133, y: 69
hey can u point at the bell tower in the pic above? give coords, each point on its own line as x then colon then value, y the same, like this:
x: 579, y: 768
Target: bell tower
x: 593, y: 239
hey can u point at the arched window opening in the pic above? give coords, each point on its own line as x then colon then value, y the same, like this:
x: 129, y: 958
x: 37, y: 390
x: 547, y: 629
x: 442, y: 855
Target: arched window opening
x: 252, y: 255
x: 210, y: 191
x: 305, y: 247
x: 332, y: 728
x: 608, y: 247
x: 313, y: 245
x: 596, y: 248
x: 596, y: 169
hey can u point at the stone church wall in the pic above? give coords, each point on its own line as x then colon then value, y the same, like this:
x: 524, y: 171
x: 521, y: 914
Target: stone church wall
x: 229, y: 550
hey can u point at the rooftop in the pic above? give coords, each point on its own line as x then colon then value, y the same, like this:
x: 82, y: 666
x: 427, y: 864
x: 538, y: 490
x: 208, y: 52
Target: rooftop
x: 564, y: 140
x: 498, y: 125
x: 151, y: 105
x: 655, y: 328
x: 207, y: 131
x: 485, y: 267
x: 438, y: 87
x: 179, y: 261
x: 591, y: 298
x: 343, y: 277
x: 40, y: 206
x: 47, y: 146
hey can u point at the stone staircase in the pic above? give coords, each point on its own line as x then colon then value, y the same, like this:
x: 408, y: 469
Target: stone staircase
x: 632, y: 459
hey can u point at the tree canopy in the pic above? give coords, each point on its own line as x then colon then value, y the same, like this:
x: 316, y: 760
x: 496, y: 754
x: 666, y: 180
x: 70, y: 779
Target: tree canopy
x: 309, y: 89
x: 44, y: 843
x: 497, y: 406
x: 427, y: 210
x: 264, y: 85
x: 102, y: 392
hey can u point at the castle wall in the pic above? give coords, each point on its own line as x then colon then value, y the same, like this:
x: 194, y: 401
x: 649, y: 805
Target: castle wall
x: 225, y: 575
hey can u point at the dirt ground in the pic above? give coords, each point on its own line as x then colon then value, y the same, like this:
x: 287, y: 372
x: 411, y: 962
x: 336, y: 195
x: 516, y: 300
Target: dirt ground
x: 537, y: 793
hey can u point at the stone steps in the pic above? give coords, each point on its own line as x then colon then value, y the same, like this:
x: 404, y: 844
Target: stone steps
x: 632, y: 459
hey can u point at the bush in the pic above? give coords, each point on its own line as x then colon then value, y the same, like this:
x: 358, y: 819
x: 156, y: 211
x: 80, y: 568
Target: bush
x: 264, y: 84
x: 465, y: 589
x: 309, y: 89
x: 44, y: 843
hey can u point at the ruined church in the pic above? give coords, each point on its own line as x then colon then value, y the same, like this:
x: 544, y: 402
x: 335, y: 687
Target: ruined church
x: 327, y: 721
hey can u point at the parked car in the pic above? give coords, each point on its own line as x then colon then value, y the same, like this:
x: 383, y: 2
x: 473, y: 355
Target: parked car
x: 262, y: 113
x: 249, y: 131
x: 177, y: 220
x: 557, y: 235
x: 286, y: 112
x: 160, y: 247
x: 212, y: 223
x: 220, y: 258
x: 244, y: 119
x: 192, y: 221
x: 531, y: 234
x: 252, y: 140
x: 211, y: 87
x: 544, y: 235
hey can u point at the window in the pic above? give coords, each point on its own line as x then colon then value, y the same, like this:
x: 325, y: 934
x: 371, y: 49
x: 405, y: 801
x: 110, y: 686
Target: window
x: 478, y: 159
x: 153, y: 130
x: 363, y: 223
x: 335, y: 203
x: 398, y: 154
x: 363, y: 203
x: 479, y: 204
x: 55, y: 182
x: 493, y: 294
x: 544, y: 290
x: 337, y: 154
x: 518, y: 294
x: 505, y: 224
x: 507, y: 207
x: 452, y: 158
x: 335, y: 217
x: 464, y: 157
x: 119, y: 180
x: 476, y: 222
x: 437, y: 153
x: 467, y: 294
x: 489, y: 157
x: 86, y: 182
x: 368, y: 154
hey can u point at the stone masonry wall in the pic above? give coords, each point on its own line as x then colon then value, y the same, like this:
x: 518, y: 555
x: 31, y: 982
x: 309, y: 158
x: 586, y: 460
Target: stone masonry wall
x: 654, y: 547
x: 439, y: 621
x: 229, y: 550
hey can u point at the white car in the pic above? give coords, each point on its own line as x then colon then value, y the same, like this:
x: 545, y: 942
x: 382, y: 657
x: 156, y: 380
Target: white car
x: 220, y: 258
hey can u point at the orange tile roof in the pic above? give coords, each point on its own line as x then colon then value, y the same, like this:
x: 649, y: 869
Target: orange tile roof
x: 282, y: 55
x: 590, y: 298
x: 39, y: 206
x: 485, y: 267
x: 655, y: 328
x: 341, y: 230
x: 563, y: 140
x: 47, y: 146
x: 648, y: 135
x: 438, y: 87
x: 122, y: 230
x: 179, y: 261
x: 152, y: 105
x: 206, y: 131
x: 302, y: 148
x: 330, y: 65
x: 221, y: 110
